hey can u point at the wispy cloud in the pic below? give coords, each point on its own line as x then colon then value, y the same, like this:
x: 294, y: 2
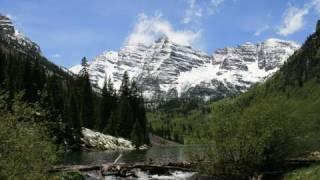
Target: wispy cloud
x: 214, y: 5
x: 293, y: 20
x: 316, y: 4
x: 261, y: 30
x: 196, y: 10
x: 56, y: 56
x: 193, y: 12
x: 294, y: 17
x: 149, y: 28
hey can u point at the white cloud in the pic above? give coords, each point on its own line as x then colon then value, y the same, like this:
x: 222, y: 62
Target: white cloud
x: 56, y: 56
x: 193, y: 12
x: 197, y: 10
x: 316, y: 5
x: 261, y: 30
x: 294, y: 18
x: 150, y: 28
x: 214, y: 5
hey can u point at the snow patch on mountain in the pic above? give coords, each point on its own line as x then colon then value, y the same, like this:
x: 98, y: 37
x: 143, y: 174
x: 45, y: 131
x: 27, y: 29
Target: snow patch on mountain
x: 12, y: 36
x: 166, y: 69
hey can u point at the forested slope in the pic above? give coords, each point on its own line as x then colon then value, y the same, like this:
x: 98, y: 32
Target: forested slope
x: 279, y: 119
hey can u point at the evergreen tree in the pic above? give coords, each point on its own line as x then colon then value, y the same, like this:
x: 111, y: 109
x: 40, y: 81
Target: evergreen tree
x: 2, y: 69
x: 55, y: 98
x: 143, y: 119
x: 106, y: 106
x: 124, y: 88
x: 38, y: 76
x: 85, y: 66
x: 113, y: 124
x: 137, y: 104
x: 124, y: 110
x: 74, y: 114
x: 28, y: 82
x: 129, y: 119
x: 136, y: 136
x: 87, y: 106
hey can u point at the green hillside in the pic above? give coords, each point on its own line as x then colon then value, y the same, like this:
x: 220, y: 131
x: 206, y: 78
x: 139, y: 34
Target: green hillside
x: 256, y: 131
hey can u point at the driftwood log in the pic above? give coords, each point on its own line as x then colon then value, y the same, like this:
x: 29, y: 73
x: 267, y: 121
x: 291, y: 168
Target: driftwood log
x: 123, y: 170
x: 127, y: 170
x: 64, y: 168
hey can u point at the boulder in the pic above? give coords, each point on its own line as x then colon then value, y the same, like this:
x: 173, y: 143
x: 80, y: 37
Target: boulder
x: 102, y: 141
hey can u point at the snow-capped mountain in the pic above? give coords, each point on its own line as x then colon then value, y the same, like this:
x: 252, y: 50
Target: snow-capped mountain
x: 166, y: 69
x: 11, y: 36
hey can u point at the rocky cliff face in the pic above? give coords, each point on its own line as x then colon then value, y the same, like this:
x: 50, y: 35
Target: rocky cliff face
x: 167, y: 70
x: 12, y: 37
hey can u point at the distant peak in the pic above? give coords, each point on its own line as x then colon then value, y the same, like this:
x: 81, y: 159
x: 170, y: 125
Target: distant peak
x: 15, y: 37
x: 162, y: 38
x: 6, y: 24
x: 4, y: 17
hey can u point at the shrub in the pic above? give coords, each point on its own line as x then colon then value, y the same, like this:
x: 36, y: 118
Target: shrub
x: 26, y: 151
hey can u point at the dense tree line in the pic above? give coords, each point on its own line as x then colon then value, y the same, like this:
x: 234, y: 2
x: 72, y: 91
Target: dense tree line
x: 182, y: 120
x: 124, y: 113
x: 71, y: 101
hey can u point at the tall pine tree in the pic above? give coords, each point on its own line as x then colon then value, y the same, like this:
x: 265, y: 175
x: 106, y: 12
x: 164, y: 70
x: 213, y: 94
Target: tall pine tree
x: 87, y: 106
x: 124, y: 110
x: 107, y: 105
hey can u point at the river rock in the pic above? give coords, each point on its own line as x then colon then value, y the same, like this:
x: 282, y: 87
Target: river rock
x: 105, y: 142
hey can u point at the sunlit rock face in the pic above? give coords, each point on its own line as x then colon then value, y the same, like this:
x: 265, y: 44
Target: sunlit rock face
x: 101, y: 141
x: 11, y: 36
x: 167, y: 70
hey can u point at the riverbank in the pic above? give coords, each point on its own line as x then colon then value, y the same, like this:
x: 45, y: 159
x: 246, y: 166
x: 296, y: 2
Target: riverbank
x: 156, y: 140
x: 310, y: 173
x: 182, y: 170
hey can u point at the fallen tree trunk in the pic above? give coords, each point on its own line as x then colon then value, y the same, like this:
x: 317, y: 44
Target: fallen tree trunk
x: 63, y: 168
x: 123, y: 168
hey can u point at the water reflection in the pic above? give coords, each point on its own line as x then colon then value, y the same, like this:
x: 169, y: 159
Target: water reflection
x: 157, y: 154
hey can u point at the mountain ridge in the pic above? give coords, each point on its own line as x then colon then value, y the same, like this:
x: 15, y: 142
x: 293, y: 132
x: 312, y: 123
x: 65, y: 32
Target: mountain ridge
x: 169, y: 70
x: 15, y: 39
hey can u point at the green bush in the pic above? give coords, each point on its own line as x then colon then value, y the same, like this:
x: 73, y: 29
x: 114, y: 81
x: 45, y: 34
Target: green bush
x: 254, y: 135
x: 26, y: 152
x: 248, y: 142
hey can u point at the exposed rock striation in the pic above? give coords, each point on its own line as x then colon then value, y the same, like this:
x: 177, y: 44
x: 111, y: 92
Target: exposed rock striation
x: 167, y: 70
x: 11, y: 36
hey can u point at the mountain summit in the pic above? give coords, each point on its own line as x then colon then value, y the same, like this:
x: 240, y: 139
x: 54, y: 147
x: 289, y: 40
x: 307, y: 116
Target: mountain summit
x: 167, y: 69
x: 12, y: 37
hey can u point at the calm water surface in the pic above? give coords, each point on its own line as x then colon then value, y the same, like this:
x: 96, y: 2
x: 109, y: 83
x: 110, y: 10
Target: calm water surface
x: 156, y: 153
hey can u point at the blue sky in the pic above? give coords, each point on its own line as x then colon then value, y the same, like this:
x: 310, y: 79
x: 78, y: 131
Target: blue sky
x: 70, y: 29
